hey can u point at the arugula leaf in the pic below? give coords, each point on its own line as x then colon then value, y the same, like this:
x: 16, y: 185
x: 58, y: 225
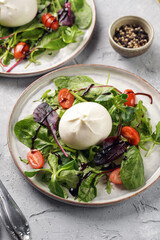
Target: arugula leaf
x: 45, y: 94
x: 132, y: 169
x: 35, y: 53
x: 69, y: 35
x: 108, y: 186
x: 120, y: 113
x: 24, y: 160
x: 56, y: 5
x: 143, y: 125
x: 51, y: 99
x: 7, y: 56
x: 156, y: 134
x: 140, y: 122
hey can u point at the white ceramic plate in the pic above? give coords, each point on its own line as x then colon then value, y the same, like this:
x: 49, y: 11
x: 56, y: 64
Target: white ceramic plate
x: 59, y: 58
x: 119, y: 78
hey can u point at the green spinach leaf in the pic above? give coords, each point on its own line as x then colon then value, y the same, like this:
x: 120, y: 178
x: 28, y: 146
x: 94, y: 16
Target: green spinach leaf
x: 73, y: 82
x: 132, y: 169
x: 84, y: 16
x: 33, y: 172
x: 56, y: 188
x: 69, y: 178
x: 87, y: 190
x: 26, y: 129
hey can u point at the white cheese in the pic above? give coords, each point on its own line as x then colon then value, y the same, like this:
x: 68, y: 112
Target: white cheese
x: 14, y: 13
x: 85, y: 124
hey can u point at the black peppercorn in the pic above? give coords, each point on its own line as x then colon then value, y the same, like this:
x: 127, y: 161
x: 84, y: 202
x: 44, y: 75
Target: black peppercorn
x: 130, y: 36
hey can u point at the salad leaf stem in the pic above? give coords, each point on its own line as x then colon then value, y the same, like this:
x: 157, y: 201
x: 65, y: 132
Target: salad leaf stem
x: 7, y: 36
x: 2, y: 64
x: 108, y: 79
x: 14, y: 65
x: 78, y: 97
x: 56, y: 139
x: 150, y: 150
x: 69, y: 149
x: 56, y: 5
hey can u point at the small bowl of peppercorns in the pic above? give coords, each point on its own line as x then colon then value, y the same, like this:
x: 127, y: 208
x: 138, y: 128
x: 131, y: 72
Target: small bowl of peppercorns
x: 131, y: 36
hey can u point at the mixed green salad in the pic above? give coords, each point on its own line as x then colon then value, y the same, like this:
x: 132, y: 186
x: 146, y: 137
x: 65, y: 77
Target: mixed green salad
x: 117, y: 159
x: 57, y: 24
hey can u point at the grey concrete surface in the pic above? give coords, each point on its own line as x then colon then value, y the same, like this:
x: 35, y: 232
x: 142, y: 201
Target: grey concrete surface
x: 136, y: 218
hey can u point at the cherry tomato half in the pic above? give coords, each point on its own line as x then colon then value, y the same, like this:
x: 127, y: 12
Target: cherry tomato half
x: 50, y: 21
x: 131, y: 135
x: 35, y: 158
x: 131, y: 98
x: 20, y: 50
x: 115, y: 176
x: 65, y: 98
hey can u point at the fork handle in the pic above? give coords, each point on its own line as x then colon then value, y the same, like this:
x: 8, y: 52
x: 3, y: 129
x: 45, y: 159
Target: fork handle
x: 12, y: 217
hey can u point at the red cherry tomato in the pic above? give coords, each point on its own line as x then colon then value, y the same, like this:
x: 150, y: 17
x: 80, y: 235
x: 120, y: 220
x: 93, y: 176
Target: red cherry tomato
x: 55, y: 25
x: 131, y: 135
x: 131, y: 98
x: 20, y: 50
x: 50, y: 21
x: 45, y: 17
x: 35, y: 158
x: 115, y: 176
x: 65, y: 98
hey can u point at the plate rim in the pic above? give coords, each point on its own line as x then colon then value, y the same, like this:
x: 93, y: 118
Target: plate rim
x: 40, y: 72
x: 68, y: 201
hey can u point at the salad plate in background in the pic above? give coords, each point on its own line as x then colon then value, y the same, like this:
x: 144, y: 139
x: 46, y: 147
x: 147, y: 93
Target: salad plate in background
x: 49, y: 59
x: 121, y: 80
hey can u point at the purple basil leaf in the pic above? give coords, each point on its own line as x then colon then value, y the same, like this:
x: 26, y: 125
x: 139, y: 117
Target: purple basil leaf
x: 113, y: 148
x: 108, y: 142
x: 110, y: 154
x: 52, y: 120
x: 65, y: 16
x: 46, y: 116
x: 41, y: 112
x: 112, y: 140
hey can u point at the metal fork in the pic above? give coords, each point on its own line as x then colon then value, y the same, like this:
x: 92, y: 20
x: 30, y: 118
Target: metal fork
x: 12, y: 217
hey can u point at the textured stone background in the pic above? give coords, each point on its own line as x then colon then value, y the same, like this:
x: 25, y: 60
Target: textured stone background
x: 137, y: 218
